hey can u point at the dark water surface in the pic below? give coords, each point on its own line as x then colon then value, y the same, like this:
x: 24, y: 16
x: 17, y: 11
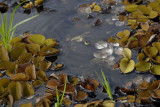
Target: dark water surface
x: 77, y: 57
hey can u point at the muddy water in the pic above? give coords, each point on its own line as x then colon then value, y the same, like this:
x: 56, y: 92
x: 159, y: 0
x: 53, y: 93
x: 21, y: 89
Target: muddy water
x: 56, y: 21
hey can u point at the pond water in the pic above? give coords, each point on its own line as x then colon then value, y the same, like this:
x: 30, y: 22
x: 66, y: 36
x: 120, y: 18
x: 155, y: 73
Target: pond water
x: 57, y: 22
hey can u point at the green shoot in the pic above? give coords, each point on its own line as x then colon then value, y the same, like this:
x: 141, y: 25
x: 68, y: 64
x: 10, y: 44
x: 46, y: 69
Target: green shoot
x: 105, y: 84
x: 7, y: 33
x: 59, y: 101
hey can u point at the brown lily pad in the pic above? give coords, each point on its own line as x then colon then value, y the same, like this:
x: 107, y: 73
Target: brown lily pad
x: 81, y: 95
x: 52, y: 84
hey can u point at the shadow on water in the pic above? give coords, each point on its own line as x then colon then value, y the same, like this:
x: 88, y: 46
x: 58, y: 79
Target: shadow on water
x: 56, y: 21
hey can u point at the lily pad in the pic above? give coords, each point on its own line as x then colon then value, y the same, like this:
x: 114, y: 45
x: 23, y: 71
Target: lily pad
x: 126, y: 65
x: 27, y: 90
x: 154, y: 86
x: 131, y: 8
x: 81, y: 95
x: 155, y: 69
x: 52, y: 84
x: 123, y: 34
x: 151, y: 51
x: 143, y: 66
x: 41, y: 75
x: 143, y: 95
x: 140, y: 56
x: 15, y: 53
x: 44, y: 65
x: 50, y: 42
x: 46, y: 51
x: 33, y: 48
x: 25, y: 58
x: 31, y: 72
x: 37, y: 39
x: 145, y: 9
x: 27, y: 105
x: 153, y: 14
x: 3, y: 54
x: 4, y: 82
x: 127, y: 53
x: 37, y: 59
x: 19, y: 77
x: 14, y: 89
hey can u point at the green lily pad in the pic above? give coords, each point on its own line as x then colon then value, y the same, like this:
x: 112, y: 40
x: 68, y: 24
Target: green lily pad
x: 50, y: 42
x: 37, y: 39
x: 44, y: 65
x: 126, y: 65
x: 124, y: 34
x: 31, y: 72
x: 123, y: 42
x: 3, y: 54
x: 19, y: 77
x: 25, y: 58
x: 127, y: 53
x: 151, y: 51
x: 37, y: 83
x: 14, y: 89
x: 46, y: 51
x: 156, y: 59
x: 155, y: 69
x: 140, y: 56
x: 19, y: 44
x: 153, y: 14
x: 37, y: 60
x: 157, y: 45
x: 15, y: 53
x: 4, y: 82
x: 142, y: 18
x: 41, y: 75
x: 145, y: 9
x: 33, y: 48
x: 143, y: 66
x: 131, y: 8
x: 15, y: 40
x: 27, y: 90
x: 27, y: 105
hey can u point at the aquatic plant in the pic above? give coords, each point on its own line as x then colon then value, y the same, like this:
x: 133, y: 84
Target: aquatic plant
x: 105, y: 84
x: 7, y: 33
x: 59, y: 101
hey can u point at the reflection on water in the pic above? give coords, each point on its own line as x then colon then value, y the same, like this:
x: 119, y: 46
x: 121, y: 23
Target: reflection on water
x: 77, y: 56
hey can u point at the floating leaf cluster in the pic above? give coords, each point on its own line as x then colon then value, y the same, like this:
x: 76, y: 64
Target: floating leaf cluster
x: 144, y: 93
x: 30, y: 4
x: 144, y: 21
x: 77, y: 89
x: 25, y: 65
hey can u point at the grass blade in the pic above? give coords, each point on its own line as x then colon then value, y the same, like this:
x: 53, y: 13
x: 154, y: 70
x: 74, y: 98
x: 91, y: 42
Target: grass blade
x: 23, y: 21
x: 107, y: 85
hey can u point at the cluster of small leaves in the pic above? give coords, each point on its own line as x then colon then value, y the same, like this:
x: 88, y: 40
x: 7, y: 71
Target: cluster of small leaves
x: 25, y: 67
x: 144, y: 21
x: 142, y: 93
x: 30, y: 4
x: 58, y: 84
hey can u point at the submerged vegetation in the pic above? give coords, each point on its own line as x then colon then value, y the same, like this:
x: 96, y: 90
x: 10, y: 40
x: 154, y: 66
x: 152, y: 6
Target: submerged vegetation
x: 7, y: 31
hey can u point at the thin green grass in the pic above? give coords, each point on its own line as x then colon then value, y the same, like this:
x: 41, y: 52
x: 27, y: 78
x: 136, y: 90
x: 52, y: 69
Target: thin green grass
x: 7, y: 31
x: 59, y: 101
x: 105, y: 84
